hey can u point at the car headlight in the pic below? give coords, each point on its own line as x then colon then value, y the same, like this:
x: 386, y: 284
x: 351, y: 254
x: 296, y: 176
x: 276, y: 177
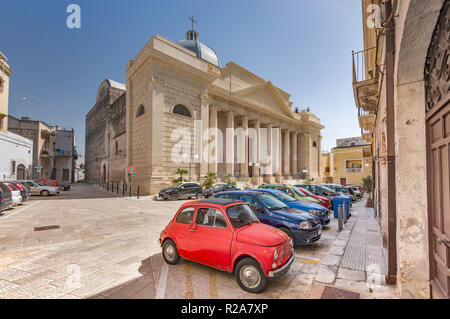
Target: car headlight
x: 304, y: 225
x: 315, y: 212
x: 275, y: 256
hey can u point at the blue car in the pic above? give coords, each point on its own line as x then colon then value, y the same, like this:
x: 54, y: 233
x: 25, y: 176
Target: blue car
x: 320, y: 211
x: 302, y: 227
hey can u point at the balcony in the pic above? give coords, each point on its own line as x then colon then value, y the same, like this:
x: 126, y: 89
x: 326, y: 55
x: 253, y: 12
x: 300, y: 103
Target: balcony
x: 366, y: 120
x: 353, y: 170
x: 365, y: 79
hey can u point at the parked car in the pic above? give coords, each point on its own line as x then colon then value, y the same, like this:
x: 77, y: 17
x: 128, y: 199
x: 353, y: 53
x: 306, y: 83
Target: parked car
x: 50, y: 182
x: 24, y: 191
x: 318, y: 210
x: 342, y: 190
x: 291, y: 191
x: 222, y: 187
x: 181, y: 190
x: 15, y: 192
x: 65, y: 187
x: 324, y: 201
x: 40, y: 189
x: 6, y: 201
x: 358, y: 191
x: 227, y: 235
x: 303, y: 227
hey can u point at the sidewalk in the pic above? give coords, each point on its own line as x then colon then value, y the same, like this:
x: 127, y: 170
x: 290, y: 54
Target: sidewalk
x: 356, y: 260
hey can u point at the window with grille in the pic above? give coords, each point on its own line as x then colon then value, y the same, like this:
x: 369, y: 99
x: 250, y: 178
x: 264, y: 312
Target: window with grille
x: 181, y: 110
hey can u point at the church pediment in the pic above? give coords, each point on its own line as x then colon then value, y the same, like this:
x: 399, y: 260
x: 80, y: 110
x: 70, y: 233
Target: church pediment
x: 266, y: 96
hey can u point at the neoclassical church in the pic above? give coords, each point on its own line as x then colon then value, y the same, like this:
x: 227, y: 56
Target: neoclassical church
x: 180, y: 108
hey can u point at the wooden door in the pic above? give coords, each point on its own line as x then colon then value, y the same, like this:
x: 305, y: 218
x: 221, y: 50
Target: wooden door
x: 438, y: 140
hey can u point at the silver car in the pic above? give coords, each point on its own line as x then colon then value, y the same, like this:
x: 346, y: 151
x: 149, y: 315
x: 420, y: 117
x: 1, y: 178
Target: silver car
x: 41, y: 189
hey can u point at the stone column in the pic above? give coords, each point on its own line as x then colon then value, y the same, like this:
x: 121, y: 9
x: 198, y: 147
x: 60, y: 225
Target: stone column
x: 204, y: 138
x: 278, y: 156
x: 287, y: 155
x: 244, y: 149
x: 268, y: 165
x: 213, y: 141
x: 257, y: 153
x: 229, y: 155
x: 294, y: 163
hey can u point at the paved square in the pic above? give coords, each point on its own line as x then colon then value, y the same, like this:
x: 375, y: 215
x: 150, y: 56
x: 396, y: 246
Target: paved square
x: 106, y: 247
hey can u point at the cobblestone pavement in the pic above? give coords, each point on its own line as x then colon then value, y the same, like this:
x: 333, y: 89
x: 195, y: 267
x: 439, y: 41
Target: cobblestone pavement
x: 106, y: 247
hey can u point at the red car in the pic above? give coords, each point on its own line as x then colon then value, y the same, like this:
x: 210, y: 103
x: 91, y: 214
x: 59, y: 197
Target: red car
x: 227, y: 235
x: 323, y: 200
x: 50, y: 182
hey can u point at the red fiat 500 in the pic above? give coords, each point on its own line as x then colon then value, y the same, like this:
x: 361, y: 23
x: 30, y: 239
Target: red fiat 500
x: 227, y: 235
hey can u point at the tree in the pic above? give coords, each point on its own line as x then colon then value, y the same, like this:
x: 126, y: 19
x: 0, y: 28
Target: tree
x: 368, y: 184
x: 210, y: 180
x: 180, y: 172
x: 228, y: 180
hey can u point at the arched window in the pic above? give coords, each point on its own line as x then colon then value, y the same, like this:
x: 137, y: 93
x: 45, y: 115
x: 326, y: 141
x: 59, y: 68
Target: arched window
x: 314, y: 144
x: 116, y: 148
x: 181, y: 110
x: 140, y: 111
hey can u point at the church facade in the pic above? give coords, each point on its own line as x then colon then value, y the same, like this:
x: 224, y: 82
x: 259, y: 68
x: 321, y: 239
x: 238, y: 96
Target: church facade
x: 184, y: 110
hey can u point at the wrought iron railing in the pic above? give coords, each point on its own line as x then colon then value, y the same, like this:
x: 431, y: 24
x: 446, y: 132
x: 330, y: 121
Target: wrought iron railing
x: 364, y: 65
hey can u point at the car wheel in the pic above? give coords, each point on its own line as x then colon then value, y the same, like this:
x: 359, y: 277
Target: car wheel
x: 174, y: 196
x: 45, y: 193
x: 199, y: 195
x: 249, y: 276
x: 289, y: 233
x: 170, y: 252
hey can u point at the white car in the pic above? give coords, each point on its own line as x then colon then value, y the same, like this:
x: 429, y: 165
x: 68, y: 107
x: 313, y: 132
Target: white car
x: 41, y: 189
x: 15, y: 193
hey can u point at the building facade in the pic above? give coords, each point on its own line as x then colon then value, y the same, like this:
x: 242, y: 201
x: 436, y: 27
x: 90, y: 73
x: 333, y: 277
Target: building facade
x: 16, y: 151
x: 5, y: 73
x: 65, y: 156
x: 348, y: 163
x: 54, y: 150
x: 401, y: 86
x: 184, y: 110
x: 105, y: 134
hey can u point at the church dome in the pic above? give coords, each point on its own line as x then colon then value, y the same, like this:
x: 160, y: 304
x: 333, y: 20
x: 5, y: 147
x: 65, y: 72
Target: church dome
x: 202, y: 51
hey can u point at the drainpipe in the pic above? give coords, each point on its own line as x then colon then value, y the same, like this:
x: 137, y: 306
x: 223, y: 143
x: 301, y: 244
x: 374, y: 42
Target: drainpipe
x: 391, y: 277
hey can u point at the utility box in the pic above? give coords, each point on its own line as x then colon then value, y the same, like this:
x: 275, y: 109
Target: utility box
x: 339, y: 201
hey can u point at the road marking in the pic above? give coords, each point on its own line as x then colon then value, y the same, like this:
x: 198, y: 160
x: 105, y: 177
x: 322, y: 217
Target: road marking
x: 212, y: 285
x: 161, y: 290
x: 20, y: 210
x: 307, y: 260
x: 189, y: 289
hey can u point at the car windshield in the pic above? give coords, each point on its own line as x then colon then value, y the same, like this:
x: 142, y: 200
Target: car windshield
x: 39, y: 184
x: 307, y: 192
x: 271, y: 202
x: 241, y: 215
x: 342, y: 189
x: 295, y: 190
x: 284, y: 197
x: 328, y: 189
x: 177, y: 184
x: 218, y: 186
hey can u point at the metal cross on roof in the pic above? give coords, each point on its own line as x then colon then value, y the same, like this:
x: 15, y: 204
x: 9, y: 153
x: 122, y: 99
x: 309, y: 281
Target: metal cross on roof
x: 193, y: 21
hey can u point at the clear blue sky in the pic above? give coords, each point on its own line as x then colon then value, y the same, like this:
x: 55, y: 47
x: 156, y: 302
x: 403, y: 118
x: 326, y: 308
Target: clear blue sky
x: 303, y: 47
